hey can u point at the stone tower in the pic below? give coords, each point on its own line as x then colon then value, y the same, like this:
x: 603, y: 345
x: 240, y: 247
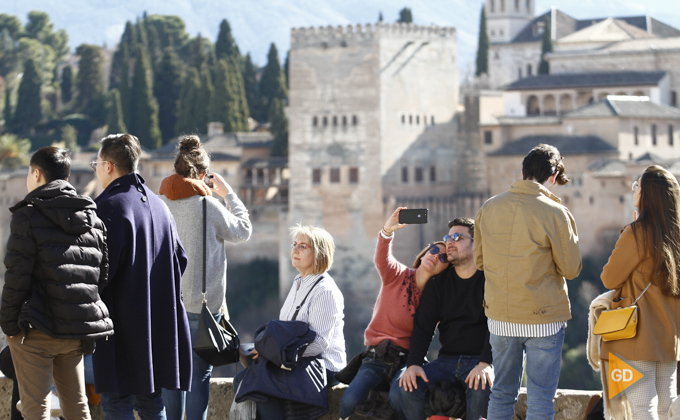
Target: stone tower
x: 506, y: 18
x: 360, y: 99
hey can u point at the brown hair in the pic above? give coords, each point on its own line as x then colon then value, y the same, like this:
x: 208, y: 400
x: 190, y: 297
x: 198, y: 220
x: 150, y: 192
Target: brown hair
x: 322, y: 245
x: 191, y: 160
x: 464, y: 221
x: 660, y: 222
x: 122, y: 150
x: 542, y: 162
x: 416, y: 263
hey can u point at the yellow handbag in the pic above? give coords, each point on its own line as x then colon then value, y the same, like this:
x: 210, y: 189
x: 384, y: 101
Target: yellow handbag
x: 619, y: 323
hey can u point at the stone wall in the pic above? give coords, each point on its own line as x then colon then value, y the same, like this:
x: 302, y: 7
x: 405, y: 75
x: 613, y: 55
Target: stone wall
x: 569, y: 404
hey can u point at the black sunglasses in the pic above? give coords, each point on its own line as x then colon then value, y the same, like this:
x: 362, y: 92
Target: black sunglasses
x: 434, y: 250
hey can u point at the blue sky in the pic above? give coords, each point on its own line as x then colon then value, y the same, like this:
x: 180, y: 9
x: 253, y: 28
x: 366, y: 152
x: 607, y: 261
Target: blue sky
x: 256, y: 24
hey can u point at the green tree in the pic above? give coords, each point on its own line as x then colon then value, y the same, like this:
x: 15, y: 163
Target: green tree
x: 28, y: 112
x: 12, y: 24
x: 273, y: 83
x: 286, y: 71
x: 250, y: 85
x: 39, y: 26
x: 203, y: 100
x: 405, y: 16
x: 127, y: 40
x: 225, y: 46
x: 143, y: 106
x: 14, y: 152
x: 42, y: 55
x: 229, y: 104
x: 546, y: 47
x: 124, y: 85
x: 167, y: 87
x: 114, y: 113
x: 380, y: 16
x: 7, y: 110
x: 89, y: 81
x: 278, y: 127
x: 171, y: 30
x: 482, y: 46
x: 67, y: 84
x: 187, y: 109
x: 69, y: 136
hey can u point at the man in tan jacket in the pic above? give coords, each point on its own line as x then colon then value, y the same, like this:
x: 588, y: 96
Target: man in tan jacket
x: 526, y: 243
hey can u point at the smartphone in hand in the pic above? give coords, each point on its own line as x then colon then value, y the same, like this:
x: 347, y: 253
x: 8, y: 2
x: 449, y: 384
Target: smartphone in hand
x: 413, y: 216
x: 208, y: 181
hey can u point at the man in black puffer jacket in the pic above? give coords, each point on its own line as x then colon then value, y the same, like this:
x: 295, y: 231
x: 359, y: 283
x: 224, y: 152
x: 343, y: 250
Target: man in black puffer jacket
x: 57, y: 265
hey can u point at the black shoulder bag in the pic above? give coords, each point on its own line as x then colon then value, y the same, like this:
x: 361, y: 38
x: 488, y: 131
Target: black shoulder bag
x: 216, y: 343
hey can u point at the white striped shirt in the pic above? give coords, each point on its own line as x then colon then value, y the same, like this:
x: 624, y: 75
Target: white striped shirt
x: 510, y: 329
x: 324, y: 312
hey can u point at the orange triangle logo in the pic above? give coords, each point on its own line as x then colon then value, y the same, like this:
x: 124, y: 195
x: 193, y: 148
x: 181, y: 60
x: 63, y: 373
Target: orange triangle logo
x: 621, y: 375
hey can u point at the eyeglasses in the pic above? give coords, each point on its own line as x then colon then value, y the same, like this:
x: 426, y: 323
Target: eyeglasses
x: 434, y: 250
x: 300, y: 247
x: 636, y: 184
x: 94, y: 164
x: 456, y: 237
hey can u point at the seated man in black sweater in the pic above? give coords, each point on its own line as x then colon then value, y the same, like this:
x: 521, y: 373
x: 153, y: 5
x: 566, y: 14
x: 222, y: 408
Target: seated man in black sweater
x: 453, y: 299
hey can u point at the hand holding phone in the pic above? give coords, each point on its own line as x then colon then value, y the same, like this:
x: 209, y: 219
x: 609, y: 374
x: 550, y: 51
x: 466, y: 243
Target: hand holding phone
x: 208, y: 179
x: 413, y: 216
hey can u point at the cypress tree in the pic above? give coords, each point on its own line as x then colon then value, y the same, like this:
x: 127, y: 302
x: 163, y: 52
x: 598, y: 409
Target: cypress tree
x: 67, y: 84
x: 482, y: 46
x: 228, y: 104
x: 203, y: 99
x: 286, y: 71
x: 127, y: 38
x: 124, y: 86
x: 250, y: 85
x: 225, y: 46
x: 380, y: 16
x: 7, y: 111
x: 546, y: 47
x: 89, y: 80
x: 28, y: 112
x: 114, y: 113
x: 143, y: 106
x: 278, y: 127
x: 167, y: 86
x: 186, y: 118
x: 405, y: 16
x: 272, y: 84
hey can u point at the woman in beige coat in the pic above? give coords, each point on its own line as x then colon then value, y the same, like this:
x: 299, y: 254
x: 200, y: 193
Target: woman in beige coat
x: 648, y: 251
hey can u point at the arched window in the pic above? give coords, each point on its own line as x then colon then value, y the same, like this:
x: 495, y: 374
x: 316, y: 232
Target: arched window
x: 533, y: 107
x: 528, y: 5
x: 315, y: 121
x: 636, y: 139
x: 335, y: 120
x: 529, y: 72
x: 344, y: 120
x: 549, y: 105
x: 653, y: 134
x: 516, y: 5
x: 355, y: 120
x: 566, y: 103
x: 403, y: 119
x: 325, y: 121
x: 502, y: 5
x: 493, y: 5
x: 410, y: 119
x: 432, y: 120
x: 417, y: 119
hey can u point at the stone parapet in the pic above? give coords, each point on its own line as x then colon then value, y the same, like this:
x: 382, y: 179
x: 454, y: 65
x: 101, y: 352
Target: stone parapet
x: 569, y: 404
x: 337, y: 34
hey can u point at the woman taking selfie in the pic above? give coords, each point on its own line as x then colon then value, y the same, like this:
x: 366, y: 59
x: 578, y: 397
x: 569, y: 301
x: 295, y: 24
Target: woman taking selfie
x: 184, y: 193
x: 645, y: 264
x: 388, y: 333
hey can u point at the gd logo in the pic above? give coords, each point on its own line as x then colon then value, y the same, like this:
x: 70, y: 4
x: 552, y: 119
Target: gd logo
x: 621, y: 375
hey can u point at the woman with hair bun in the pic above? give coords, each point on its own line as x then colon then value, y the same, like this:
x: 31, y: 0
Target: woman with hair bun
x: 184, y: 193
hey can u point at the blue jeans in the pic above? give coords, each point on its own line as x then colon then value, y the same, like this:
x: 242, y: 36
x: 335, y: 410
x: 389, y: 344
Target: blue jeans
x: 119, y: 407
x: 195, y: 402
x: 543, y: 356
x: 454, y: 369
x: 368, y: 377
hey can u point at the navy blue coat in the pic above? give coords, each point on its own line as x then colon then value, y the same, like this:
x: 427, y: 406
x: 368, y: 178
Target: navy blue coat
x: 151, y: 345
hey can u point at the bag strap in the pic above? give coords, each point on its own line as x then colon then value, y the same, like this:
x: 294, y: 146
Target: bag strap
x: 205, y: 234
x: 643, y: 292
x: 297, y: 310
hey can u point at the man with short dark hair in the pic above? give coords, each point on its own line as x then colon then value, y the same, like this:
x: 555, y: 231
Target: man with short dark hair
x: 151, y: 349
x: 526, y: 243
x: 451, y: 302
x: 56, y: 268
